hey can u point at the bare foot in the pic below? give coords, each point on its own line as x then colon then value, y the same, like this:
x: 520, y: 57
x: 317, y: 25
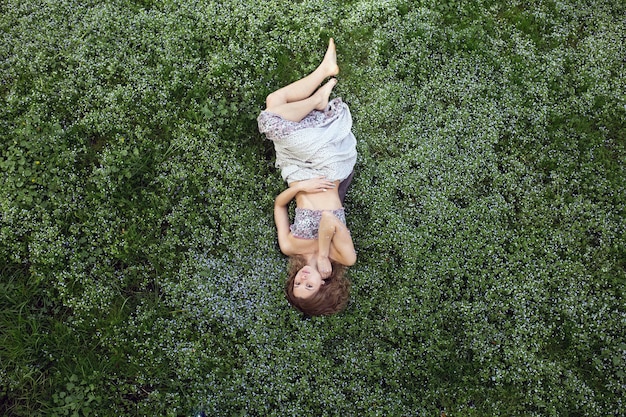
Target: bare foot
x: 323, y: 94
x: 329, y: 63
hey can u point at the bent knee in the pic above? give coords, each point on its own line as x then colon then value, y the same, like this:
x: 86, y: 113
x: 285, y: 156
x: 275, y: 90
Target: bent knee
x: 273, y: 100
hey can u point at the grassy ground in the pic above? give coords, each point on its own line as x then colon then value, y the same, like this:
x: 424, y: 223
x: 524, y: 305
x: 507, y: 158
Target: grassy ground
x: 140, y: 269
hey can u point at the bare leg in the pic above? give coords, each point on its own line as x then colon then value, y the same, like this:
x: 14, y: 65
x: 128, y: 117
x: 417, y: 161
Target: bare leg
x: 297, y: 110
x: 296, y: 100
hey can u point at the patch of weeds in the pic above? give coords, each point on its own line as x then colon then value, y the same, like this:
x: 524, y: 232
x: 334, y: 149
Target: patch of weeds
x: 78, y: 398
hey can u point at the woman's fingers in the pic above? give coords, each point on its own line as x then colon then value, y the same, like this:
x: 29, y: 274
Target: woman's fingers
x: 319, y: 184
x: 325, y: 267
x: 327, y: 184
x: 323, y: 185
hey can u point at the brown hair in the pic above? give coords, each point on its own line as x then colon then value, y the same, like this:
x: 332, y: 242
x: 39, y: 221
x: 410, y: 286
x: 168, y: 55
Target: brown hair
x: 331, y: 298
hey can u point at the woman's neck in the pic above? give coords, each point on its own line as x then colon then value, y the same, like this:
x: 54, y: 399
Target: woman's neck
x: 311, y: 259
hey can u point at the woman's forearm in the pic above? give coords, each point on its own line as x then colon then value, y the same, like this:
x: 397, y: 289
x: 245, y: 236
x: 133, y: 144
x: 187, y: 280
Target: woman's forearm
x: 286, y: 196
x: 334, y: 237
x: 325, y: 233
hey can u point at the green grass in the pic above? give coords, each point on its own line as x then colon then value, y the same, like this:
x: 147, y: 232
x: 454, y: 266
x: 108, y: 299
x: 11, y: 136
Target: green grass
x: 140, y: 269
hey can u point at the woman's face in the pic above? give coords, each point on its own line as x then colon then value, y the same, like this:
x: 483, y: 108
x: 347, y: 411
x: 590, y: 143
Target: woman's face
x: 307, y: 282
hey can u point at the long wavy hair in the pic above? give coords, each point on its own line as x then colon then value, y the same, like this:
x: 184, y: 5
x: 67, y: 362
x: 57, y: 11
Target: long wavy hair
x: 331, y: 298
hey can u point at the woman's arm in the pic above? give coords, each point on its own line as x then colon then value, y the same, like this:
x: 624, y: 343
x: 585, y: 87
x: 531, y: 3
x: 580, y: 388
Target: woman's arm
x: 281, y: 218
x: 335, y: 241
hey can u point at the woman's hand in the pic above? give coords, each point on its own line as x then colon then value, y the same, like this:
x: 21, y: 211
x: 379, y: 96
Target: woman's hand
x: 315, y: 185
x: 323, y: 266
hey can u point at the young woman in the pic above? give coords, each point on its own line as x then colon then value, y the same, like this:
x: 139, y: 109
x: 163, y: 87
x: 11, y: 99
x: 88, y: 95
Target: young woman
x: 316, y: 153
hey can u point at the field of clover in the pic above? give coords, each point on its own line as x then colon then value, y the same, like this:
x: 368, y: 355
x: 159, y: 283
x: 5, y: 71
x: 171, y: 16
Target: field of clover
x: 140, y: 271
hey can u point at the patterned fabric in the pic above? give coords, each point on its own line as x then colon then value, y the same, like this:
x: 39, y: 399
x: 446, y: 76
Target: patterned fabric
x: 307, y: 222
x: 321, y: 144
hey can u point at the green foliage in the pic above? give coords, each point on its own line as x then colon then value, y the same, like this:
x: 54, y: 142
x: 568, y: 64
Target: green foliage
x: 140, y: 270
x: 77, y: 399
